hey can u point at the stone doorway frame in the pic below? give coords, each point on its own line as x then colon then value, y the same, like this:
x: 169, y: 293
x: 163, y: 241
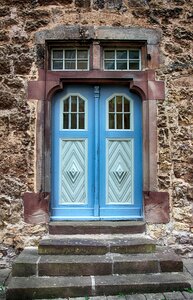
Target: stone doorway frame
x: 144, y: 83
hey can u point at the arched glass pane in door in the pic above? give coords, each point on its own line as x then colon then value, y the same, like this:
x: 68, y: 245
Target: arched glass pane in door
x: 74, y: 113
x: 119, y: 113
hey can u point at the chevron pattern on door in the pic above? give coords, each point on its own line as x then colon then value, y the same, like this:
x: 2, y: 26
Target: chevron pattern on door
x: 73, y: 172
x: 119, y: 172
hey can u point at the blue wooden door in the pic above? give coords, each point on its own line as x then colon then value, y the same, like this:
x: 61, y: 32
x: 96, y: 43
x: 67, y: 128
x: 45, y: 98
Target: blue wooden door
x: 96, y: 153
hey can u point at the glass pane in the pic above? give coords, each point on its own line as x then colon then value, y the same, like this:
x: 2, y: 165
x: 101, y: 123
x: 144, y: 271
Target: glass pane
x: 126, y: 105
x: 112, y: 105
x: 109, y: 65
x: 58, y: 54
x: 126, y: 121
x: 109, y: 54
x: 121, y: 65
x: 119, y: 103
x: 70, y: 54
x: 81, y: 121
x: 111, y: 121
x: 66, y: 105
x: 73, y: 121
x: 133, y: 65
x: 133, y: 54
x: 122, y: 54
x: 74, y: 103
x: 81, y: 105
x: 82, y: 65
x: 57, y: 64
x: 82, y: 54
x: 70, y: 65
x: 65, y: 121
x: 119, y: 121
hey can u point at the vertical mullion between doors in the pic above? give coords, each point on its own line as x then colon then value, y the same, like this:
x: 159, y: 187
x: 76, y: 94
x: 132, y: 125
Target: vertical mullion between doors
x: 96, y: 150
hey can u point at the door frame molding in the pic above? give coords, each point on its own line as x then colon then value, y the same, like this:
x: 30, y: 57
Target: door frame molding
x: 143, y: 83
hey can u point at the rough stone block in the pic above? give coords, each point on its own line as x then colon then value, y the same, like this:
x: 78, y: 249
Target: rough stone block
x: 173, y: 296
x: 98, y: 4
x: 59, y: 265
x: 157, y: 296
x: 82, y: 3
x: 54, y: 2
x: 95, y: 227
x: 72, y: 247
x: 172, y: 265
x: 188, y: 296
x: 135, y: 297
x: 115, y: 4
x: 137, y: 266
x: 7, y: 100
x: 26, y: 263
x: 137, y: 3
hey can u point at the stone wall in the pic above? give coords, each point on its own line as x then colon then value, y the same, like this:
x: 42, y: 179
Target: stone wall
x: 19, y: 20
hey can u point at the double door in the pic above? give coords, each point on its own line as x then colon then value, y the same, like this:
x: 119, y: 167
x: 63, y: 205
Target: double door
x: 96, y: 153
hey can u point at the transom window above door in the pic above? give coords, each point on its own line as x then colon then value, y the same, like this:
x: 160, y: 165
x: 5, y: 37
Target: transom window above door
x: 70, y: 59
x: 123, y: 59
x: 110, y: 59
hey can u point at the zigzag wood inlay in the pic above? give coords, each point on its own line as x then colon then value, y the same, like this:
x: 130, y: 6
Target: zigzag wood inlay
x: 119, y: 171
x: 73, y: 185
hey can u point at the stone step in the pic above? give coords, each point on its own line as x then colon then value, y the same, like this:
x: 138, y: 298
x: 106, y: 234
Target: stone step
x: 30, y: 263
x: 96, y: 227
x: 96, y: 244
x: 21, y: 288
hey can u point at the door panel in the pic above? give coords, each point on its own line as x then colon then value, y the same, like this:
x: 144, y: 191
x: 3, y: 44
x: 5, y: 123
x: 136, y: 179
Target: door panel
x: 72, y: 153
x: 96, y: 153
x: 119, y: 171
x: 120, y: 154
x: 73, y: 171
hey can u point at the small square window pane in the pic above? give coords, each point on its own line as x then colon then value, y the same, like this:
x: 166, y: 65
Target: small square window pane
x: 82, y: 54
x: 126, y: 105
x: 74, y: 103
x: 122, y: 54
x: 119, y: 103
x: 109, y: 54
x: 112, y: 105
x: 127, y: 121
x: 70, y: 54
x: 81, y: 105
x: 121, y: 65
x: 66, y: 105
x: 133, y: 65
x: 109, y: 65
x: 57, y: 64
x: 58, y: 54
x: 133, y: 54
x: 82, y: 65
x: 73, y: 121
x: 81, y: 121
x: 65, y: 121
x: 119, y: 121
x: 111, y: 121
x: 70, y: 65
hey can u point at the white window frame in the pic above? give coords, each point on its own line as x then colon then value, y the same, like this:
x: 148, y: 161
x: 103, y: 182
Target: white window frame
x: 76, y: 59
x: 131, y: 113
x: 62, y: 112
x: 128, y: 60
